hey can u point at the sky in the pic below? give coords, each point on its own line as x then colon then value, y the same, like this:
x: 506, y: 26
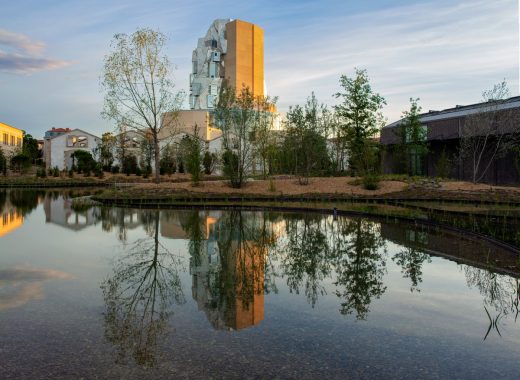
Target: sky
x: 445, y: 52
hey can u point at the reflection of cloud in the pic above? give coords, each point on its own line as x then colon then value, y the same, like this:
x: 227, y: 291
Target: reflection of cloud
x: 21, y: 55
x: 19, y: 286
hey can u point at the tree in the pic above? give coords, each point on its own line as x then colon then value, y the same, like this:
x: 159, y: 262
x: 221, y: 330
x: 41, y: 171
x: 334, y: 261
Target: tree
x: 140, y: 295
x: 106, y: 150
x: 168, y: 163
x: 305, y: 139
x: 193, y: 157
x: 3, y: 163
x: 138, y: 86
x: 21, y: 162
x: 209, y: 162
x: 30, y: 147
x: 359, y: 116
x: 147, y: 152
x: 83, y: 161
x: 413, y: 145
x: 242, y: 117
x: 490, y: 133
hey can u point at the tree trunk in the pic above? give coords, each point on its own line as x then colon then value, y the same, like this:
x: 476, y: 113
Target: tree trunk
x: 157, y: 159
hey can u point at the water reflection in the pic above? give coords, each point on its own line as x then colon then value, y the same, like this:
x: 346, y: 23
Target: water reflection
x: 234, y: 259
x: 139, y: 296
x: 18, y: 286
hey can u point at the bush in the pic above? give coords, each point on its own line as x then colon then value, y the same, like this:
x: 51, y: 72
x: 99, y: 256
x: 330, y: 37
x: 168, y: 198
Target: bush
x: 98, y: 171
x: 21, y: 162
x: 41, y: 173
x: 209, y: 161
x: 3, y: 163
x: 181, y: 165
x: 84, y: 161
x: 129, y: 165
x: 55, y: 172
x: 115, y: 169
x: 371, y: 181
x: 71, y: 173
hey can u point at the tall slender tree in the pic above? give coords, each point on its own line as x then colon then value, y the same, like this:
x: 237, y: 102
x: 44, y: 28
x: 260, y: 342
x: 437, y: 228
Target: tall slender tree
x: 138, y: 85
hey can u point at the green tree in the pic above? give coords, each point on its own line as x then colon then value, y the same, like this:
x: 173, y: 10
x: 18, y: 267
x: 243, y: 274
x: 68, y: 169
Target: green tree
x: 106, y: 150
x: 193, y: 158
x: 413, y: 146
x: 21, y: 162
x: 359, y: 116
x: 83, y: 160
x: 138, y: 86
x: 30, y: 147
x: 242, y: 118
x: 168, y: 162
x: 305, y: 139
x: 209, y: 161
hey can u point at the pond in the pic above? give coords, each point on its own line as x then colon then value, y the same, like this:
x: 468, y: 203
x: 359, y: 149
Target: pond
x: 128, y: 293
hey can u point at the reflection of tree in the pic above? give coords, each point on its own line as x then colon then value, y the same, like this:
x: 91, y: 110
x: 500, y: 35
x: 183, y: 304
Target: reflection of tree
x: 500, y: 293
x: 307, y: 257
x: 139, y: 296
x: 360, y: 266
x: 410, y: 260
x: 25, y: 201
x: 3, y: 200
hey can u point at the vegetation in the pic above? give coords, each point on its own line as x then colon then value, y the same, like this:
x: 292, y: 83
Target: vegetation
x: 3, y: 163
x: 138, y: 86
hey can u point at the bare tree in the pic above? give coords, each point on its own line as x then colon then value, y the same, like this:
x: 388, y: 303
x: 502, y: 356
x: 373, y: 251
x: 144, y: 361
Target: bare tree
x: 489, y: 133
x: 138, y: 86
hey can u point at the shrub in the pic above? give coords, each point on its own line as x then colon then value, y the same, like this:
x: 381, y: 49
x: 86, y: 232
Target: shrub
x: 21, y: 162
x: 443, y: 165
x: 181, y: 165
x: 55, y: 172
x: 209, y: 161
x: 3, y: 163
x: 84, y: 161
x: 371, y: 181
x: 71, y: 173
x: 129, y: 165
x: 115, y: 169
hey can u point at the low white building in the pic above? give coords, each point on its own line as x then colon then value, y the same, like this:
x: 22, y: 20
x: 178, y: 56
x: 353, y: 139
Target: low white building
x: 58, y: 150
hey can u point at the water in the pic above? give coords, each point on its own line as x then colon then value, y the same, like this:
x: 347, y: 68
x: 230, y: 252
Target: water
x: 121, y: 293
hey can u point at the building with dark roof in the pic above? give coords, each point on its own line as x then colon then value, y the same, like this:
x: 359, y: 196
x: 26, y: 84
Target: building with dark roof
x: 444, y: 131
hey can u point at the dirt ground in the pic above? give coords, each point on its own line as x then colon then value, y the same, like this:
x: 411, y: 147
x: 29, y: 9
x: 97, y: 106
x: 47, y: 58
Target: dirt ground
x: 332, y: 185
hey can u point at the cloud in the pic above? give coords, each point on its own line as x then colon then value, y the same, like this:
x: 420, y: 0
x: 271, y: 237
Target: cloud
x: 19, y: 286
x: 445, y: 52
x: 19, y: 54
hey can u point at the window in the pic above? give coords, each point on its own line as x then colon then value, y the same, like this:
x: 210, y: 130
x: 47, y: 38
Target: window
x: 77, y: 142
x: 18, y: 141
x: 13, y: 141
x: 194, y: 67
x: 210, y: 101
x: 212, y: 69
x: 6, y: 139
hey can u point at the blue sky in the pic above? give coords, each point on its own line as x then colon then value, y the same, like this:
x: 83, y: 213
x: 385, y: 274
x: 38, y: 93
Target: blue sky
x: 444, y: 52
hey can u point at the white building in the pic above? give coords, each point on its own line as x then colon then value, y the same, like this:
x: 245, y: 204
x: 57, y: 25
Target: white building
x: 57, y: 150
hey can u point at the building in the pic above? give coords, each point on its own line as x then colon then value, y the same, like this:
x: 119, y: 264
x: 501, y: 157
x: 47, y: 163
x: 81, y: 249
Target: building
x: 55, y: 132
x: 231, y: 50
x: 58, y: 150
x: 444, y: 131
x: 11, y: 138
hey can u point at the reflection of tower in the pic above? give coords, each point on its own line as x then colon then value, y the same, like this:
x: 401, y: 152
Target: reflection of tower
x: 228, y: 279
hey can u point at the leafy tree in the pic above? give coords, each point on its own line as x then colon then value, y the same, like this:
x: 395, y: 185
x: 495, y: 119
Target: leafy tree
x: 242, y: 118
x: 413, y: 146
x: 209, y: 161
x: 138, y: 86
x: 30, y: 148
x: 21, y: 162
x: 168, y: 162
x: 442, y: 166
x: 359, y: 117
x: 305, y: 139
x: 193, y: 158
x: 129, y: 165
x: 83, y: 161
x: 106, y: 154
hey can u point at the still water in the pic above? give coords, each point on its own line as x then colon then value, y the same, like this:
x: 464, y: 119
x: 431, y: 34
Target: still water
x: 123, y: 293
